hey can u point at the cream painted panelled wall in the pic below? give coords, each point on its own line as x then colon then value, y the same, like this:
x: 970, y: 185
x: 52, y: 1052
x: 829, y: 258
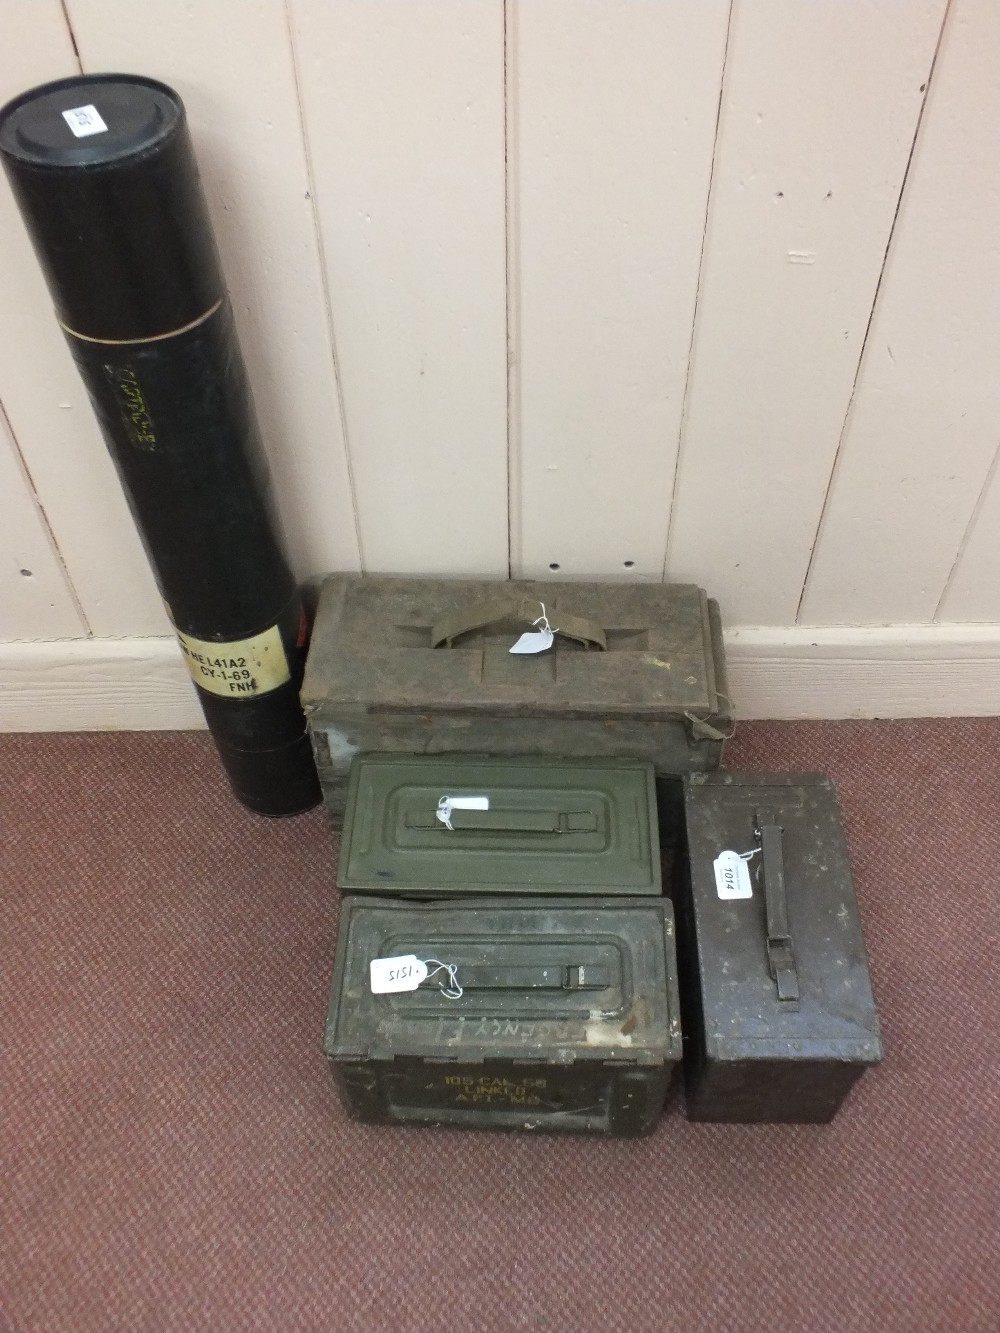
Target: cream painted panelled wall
x: 627, y: 289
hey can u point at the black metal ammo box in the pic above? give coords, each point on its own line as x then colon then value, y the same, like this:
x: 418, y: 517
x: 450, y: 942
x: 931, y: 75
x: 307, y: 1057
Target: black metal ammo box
x: 534, y: 1014
x: 779, y: 1018
x: 423, y: 666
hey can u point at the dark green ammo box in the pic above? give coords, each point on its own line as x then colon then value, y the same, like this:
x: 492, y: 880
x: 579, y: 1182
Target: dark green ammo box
x: 423, y: 666
x: 447, y: 826
x: 558, y: 1015
x: 779, y: 1018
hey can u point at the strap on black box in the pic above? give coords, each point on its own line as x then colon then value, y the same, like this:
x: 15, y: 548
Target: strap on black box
x: 780, y: 951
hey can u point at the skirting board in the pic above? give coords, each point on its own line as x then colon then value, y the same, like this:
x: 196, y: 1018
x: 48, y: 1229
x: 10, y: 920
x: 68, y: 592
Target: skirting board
x: 803, y: 672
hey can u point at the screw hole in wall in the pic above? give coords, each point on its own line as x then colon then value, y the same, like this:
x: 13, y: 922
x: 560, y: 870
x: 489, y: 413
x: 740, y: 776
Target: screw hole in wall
x: 554, y: 565
x: 26, y: 573
x: 629, y: 564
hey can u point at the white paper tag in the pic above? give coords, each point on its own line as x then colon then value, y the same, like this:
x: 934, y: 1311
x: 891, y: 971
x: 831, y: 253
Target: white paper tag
x: 732, y: 876
x: 449, y: 803
x: 84, y: 120
x: 534, y: 641
x: 396, y: 974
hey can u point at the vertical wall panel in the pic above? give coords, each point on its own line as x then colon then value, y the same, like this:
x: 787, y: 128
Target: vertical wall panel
x: 395, y: 273
x: 231, y: 61
x: 35, y: 601
x: 974, y: 590
x: 405, y: 121
x: 925, y: 424
x: 820, y: 108
x: 41, y: 390
x: 614, y: 112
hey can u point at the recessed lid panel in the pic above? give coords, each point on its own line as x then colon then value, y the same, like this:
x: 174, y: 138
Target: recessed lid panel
x: 427, y: 825
x: 536, y: 979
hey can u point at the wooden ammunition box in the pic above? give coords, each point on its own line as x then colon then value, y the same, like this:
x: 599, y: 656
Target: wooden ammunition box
x: 423, y: 666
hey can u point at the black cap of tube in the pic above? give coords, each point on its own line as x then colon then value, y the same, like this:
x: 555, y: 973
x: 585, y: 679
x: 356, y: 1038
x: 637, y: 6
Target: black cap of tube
x: 103, y: 171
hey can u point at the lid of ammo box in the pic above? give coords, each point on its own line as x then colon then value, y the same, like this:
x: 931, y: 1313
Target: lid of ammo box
x: 545, y: 982
x: 790, y: 980
x: 454, y: 825
x: 443, y: 645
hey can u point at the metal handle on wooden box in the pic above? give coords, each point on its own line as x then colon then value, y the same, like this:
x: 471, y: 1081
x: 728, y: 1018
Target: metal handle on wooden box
x: 481, y: 614
x: 780, y: 951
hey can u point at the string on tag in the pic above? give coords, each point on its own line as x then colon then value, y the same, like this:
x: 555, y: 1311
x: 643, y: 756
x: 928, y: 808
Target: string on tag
x: 747, y: 856
x: 539, y: 638
x: 543, y: 620
x: 452, y: 991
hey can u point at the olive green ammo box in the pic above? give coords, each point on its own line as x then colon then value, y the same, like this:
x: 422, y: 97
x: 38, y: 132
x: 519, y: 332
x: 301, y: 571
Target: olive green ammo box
x: 423, y: 666
x: 779, y: 1018
x: 567, y: 1017
x: 452, y: 825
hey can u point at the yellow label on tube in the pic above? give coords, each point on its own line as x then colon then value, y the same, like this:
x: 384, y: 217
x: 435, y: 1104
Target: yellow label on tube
x: 239, y: 669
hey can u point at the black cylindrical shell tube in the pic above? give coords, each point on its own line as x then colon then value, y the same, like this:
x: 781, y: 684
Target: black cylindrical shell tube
x: 103, y: 171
